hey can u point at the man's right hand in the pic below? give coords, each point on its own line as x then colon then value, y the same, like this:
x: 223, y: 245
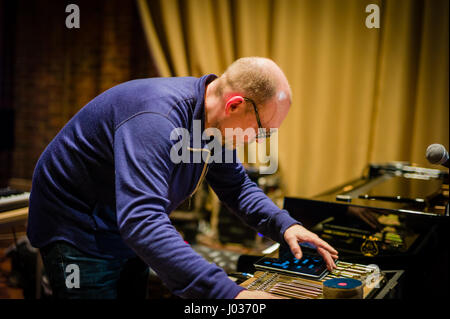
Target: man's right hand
x: 254, y: 294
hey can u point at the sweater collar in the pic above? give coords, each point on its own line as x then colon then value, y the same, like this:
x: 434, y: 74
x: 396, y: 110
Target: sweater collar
x: 199, y: 107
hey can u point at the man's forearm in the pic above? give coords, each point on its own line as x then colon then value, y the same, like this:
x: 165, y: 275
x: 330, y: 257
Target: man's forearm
x: 242, y: 196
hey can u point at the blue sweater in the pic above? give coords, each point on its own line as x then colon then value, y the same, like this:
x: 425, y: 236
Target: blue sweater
x: 107, y: 185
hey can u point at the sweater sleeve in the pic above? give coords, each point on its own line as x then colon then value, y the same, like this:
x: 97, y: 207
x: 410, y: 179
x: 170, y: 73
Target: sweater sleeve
x: 244, y: 198
x: 142, y: 173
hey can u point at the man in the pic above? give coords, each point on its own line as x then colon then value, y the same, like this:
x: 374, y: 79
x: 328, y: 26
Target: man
x: 103, y: 189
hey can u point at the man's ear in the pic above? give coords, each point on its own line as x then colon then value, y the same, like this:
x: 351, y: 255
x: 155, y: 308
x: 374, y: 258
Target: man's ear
x: 232, y: 103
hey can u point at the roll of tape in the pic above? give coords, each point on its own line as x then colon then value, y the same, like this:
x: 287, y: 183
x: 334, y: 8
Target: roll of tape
x: 342, y: 288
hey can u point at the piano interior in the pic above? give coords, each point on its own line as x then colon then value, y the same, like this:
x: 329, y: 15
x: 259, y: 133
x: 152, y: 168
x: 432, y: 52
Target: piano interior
x: 394, y: 216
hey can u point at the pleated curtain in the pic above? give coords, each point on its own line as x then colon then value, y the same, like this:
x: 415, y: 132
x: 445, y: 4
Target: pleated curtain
x: 360, y: 95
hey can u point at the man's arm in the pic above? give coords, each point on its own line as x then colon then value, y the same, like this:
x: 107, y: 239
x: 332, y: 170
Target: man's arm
x: 235, y: 189
x: 244, y: 198
x: 143, y: 170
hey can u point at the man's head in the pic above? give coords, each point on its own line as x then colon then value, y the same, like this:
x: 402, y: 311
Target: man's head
x: 247, y: 81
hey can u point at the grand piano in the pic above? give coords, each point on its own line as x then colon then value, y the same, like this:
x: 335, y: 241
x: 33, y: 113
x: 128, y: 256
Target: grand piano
x: 395, y: 216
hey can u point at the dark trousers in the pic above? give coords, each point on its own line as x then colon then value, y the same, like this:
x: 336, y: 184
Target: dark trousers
x: 76, y: 275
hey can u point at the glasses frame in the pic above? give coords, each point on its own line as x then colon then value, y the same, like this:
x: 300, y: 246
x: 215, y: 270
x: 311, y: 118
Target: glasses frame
x: 262, y: 132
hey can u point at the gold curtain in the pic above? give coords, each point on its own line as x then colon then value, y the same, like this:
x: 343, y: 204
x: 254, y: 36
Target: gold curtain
x: 360, y: 95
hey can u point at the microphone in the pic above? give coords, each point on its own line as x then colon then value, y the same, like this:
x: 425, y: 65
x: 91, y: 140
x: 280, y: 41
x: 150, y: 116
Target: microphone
x: 437, y: 154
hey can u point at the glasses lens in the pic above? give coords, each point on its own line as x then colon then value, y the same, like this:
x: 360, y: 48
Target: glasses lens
x: 262, y: 132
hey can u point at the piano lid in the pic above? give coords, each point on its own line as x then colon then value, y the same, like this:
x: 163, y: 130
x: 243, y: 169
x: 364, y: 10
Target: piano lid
x: 392, y: 187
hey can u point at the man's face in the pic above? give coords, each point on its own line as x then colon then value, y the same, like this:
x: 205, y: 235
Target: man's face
x: 240, y: 126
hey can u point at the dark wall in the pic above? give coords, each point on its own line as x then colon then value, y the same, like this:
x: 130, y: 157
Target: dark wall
x: 6, y: 106
x: 52, y: 71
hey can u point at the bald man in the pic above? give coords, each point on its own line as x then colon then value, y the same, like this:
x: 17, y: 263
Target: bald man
x: 104, y: 187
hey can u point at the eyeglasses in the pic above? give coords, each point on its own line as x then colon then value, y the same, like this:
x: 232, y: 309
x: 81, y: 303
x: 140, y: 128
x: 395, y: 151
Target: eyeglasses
x: 262, y: 132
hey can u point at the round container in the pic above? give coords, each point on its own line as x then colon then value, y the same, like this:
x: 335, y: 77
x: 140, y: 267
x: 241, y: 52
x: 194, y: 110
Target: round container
x: 342, y: 288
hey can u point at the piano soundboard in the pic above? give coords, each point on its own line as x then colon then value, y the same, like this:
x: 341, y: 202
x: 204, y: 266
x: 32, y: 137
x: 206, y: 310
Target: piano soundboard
x: 298, y: 287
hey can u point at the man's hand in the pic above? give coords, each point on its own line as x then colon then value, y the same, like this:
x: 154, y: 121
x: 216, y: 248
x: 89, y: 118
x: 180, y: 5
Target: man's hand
x: 254, y: 294
x: 299, y: 234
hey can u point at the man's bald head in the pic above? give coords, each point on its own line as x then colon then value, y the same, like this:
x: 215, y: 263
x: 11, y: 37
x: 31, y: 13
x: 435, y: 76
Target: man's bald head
x: 250, y: 80
x: 258, y: 78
